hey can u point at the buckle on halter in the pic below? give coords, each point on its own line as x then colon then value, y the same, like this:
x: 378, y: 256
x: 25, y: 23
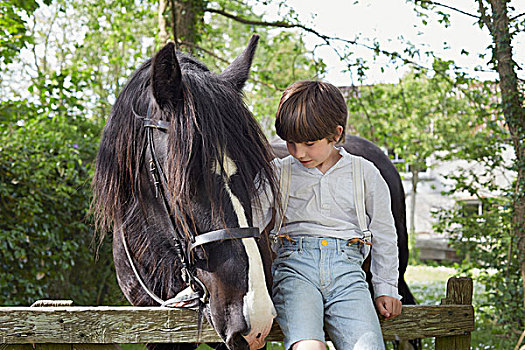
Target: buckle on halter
x: 194, y: 283
x: 153, y: 171
x: 187, y: 298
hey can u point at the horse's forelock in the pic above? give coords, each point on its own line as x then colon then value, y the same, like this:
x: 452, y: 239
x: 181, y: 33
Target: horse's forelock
x: 214, y: 123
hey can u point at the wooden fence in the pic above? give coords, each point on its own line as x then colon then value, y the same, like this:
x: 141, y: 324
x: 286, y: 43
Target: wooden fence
x: 83, y: 328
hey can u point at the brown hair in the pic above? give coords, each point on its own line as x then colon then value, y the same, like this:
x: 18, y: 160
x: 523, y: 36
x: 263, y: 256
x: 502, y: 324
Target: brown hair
x: 310, y: 111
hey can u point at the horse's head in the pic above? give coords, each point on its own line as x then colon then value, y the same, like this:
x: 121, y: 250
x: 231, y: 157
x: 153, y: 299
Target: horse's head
x: 178, y: 159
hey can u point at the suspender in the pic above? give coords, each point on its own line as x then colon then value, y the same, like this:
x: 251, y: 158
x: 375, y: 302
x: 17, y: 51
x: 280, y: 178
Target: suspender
x: 284, y: 190
x: 359, y: 195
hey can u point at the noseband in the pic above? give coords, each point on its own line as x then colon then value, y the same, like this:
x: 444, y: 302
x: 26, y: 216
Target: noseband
x: 185, y: 256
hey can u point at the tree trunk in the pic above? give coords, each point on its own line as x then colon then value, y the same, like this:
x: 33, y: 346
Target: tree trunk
x: 415, y: 180
x: 186, y: 16
x: 163, y: 31
x: 514, y: 112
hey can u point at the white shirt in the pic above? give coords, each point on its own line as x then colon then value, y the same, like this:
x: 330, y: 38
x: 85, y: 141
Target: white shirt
x: 322, y: 205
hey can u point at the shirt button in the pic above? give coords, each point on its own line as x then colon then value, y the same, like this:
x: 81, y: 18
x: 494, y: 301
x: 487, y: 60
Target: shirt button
x: 325, y: 206
x: 324, y: 242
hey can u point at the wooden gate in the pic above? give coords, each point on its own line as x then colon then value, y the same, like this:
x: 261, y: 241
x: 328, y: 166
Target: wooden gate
x: 83, y: 328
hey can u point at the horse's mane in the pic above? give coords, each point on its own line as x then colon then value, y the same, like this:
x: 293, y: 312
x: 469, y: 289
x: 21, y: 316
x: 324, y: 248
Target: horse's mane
x: 210, y: 122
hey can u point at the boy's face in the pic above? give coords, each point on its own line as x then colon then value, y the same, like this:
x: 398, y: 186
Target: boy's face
x: 320, y: 154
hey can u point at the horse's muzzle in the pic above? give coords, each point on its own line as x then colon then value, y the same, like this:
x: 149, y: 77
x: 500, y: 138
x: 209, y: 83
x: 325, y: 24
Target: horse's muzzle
x: 256, y: 337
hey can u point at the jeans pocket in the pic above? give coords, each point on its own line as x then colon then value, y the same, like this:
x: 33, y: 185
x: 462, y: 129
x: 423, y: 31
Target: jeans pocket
x: 353, y: 253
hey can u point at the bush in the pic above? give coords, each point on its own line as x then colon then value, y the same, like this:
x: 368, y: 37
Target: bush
x: 488, y: 244
x: 45, y: 169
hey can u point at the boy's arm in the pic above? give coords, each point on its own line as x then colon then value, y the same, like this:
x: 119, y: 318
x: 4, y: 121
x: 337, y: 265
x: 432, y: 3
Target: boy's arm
x: 384, y: 255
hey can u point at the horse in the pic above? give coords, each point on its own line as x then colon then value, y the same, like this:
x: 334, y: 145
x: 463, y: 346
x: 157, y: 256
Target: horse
x: 361, y: 147
x: 174, y: 180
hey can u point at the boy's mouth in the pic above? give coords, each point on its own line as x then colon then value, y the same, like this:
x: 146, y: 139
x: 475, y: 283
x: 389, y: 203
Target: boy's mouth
x: 305, y: 161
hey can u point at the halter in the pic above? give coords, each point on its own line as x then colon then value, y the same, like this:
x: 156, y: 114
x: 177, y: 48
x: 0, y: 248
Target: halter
x: 188, y: 267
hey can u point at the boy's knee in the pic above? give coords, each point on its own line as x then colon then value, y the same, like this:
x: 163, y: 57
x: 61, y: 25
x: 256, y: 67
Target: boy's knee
x: 369, y: 341
x: 309, y: 344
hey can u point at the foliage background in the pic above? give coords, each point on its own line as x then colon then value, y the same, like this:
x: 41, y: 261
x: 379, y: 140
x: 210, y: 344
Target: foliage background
x: 63, y: 62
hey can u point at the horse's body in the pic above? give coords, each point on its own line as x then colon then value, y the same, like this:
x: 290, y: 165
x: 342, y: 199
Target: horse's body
x: 159, y: 190
x: 366, y: 149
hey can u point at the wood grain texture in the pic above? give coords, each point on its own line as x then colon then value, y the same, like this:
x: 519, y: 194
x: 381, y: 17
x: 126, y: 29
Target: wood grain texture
x: 106, y: 325
x: 459, y: 292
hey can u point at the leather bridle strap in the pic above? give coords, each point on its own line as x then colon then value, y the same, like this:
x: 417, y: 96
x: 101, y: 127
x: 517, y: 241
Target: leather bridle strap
x: 160, y: 183
x: 225, y: 233
x: 203, y: 238
x: 156, y: 124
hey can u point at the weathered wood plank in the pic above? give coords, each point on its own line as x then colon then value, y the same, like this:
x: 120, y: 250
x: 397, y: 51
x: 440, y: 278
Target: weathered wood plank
x: 104, y: 325
x: 416, y: 322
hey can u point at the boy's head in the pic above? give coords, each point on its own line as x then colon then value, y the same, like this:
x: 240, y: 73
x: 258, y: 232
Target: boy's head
x: 310, y: 111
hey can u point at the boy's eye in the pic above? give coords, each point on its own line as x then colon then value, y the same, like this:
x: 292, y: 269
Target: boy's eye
x: 311, y: 143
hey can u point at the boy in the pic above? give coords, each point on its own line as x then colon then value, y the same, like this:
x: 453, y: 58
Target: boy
x: 317, y: 275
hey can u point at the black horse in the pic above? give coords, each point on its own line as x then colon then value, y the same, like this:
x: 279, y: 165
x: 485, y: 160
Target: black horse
x: 366, y: 149
x: 174, y: 180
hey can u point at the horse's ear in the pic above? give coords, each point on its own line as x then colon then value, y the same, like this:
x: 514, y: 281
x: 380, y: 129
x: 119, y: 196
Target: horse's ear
x: 237, y: 72
x: 166, y: 77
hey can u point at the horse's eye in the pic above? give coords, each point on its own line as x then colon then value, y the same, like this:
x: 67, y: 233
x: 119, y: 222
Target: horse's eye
x: 200, y: 254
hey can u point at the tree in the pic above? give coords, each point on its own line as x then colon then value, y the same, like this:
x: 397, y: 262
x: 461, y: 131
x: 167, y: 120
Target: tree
x: 45, y: 165
x: 499, y: 17
x: 14, y: 36
x: 48, y: 146
x: 421, y: 119
x: 496, y: 16
x: 216, y: 32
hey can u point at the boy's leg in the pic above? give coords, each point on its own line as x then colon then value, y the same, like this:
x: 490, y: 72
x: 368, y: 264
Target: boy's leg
x: 350, y: 315
x: 297, y: 299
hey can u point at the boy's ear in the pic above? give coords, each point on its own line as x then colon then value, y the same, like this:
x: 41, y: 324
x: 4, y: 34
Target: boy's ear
x: 339, y: 133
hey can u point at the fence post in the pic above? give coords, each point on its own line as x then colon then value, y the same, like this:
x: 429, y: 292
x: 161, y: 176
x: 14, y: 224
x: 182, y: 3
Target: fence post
x: 459, y: 292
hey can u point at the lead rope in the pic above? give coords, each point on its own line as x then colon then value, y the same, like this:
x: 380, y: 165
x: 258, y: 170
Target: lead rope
x: 182, y: 299
x: 137, y: 275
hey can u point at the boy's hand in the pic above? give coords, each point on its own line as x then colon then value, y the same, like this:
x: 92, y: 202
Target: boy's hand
x: 388, y: 306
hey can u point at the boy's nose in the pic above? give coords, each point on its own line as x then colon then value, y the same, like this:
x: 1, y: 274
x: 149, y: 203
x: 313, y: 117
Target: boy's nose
x: 297, y: 151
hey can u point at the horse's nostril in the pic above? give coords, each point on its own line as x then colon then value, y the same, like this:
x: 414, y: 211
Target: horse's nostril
x: 258, y: 335
x: 237, y: 341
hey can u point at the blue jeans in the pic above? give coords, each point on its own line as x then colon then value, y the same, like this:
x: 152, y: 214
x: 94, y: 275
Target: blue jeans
x: 318, y: 284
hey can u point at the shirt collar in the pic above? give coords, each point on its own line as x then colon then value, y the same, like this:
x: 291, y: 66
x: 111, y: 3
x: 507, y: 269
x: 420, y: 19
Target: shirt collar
x: 344, y: 161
